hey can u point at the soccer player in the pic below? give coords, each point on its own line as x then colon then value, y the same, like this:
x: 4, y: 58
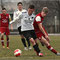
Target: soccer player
x: 4, y: 26
x: 16, y: 16
x: 28, y: 29
x: 40, y: 30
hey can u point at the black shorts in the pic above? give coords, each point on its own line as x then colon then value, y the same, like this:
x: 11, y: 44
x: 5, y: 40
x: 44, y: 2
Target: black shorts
x: 29, y: 34
x: 19, y: 29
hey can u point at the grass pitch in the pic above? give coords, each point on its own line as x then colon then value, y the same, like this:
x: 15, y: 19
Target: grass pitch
x: 15, y: 43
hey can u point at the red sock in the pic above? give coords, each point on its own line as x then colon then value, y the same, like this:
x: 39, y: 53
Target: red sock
x: 2, y: 41
x: 7, y: 43
x: 53, y: 50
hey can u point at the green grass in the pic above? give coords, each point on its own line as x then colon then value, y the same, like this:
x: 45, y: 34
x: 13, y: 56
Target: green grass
x: 15, y: 43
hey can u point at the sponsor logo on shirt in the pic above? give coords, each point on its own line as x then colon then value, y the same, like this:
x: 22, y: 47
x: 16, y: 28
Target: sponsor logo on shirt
x: 4, y: 21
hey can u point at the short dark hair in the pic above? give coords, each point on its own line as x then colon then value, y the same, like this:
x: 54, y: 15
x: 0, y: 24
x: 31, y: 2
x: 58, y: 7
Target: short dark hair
x: 19, y: 3
x: 3, y: 8
x: 31, y: 6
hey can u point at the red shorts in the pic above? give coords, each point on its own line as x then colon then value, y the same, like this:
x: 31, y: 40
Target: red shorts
x: 40, y: 34
x: 5, y: 30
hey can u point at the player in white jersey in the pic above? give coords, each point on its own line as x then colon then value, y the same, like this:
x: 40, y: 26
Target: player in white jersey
x: 27, y: 21
x: 27, y: 28
x: 16, y: 16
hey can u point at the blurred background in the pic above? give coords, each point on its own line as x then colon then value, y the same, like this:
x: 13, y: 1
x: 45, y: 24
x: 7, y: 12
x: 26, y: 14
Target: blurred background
x: 51, y: 22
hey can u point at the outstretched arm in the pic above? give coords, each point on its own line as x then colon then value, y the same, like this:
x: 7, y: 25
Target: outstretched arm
x: 16, y: 17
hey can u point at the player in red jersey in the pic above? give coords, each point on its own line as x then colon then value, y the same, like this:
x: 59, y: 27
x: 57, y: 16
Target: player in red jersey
x: 40, y: 30
x: 4, y: 26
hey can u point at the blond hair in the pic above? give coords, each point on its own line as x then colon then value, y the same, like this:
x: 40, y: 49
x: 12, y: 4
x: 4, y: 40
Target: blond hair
x: 45, y: 9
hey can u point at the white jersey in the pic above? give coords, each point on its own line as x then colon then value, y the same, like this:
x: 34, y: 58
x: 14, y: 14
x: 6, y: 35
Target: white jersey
x: 27, y: 22
x: 17, y: 15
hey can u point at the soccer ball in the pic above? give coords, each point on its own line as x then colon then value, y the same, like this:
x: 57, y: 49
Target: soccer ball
x: 17, y: 52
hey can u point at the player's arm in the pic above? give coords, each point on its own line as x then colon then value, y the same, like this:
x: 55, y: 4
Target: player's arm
x: 16, y: 17
x: 38, y: 19
x: 39, y: 22
x: 41, y: 28
x: 43, y: 31
x: 10, y: 21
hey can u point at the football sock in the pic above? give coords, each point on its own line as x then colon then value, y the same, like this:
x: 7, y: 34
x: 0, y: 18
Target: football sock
x: 23, y: 41
x: 7, y: 41
x: 2, y: 41
x: 37, y: 44
x: 42, y: 44
x: 28, y: 42
x: 53, y: 50
x: 36, y: 48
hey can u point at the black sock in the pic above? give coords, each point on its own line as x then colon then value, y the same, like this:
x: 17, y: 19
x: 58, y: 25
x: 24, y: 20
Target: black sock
x: 36, y: 48
x: 42, y: 44
x: 28, y: 42
x: 37, y: 44
x: 23, y: 41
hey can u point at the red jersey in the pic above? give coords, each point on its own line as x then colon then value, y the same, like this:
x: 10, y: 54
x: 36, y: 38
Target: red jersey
x: 38, y: 19
x: 4, y: 20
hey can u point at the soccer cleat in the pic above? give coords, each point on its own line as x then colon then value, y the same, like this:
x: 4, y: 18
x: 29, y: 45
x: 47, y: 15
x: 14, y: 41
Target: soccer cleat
x: 40, y: 54
x: 58, y: 54
x: 30, y: 48
x: 26, y: 48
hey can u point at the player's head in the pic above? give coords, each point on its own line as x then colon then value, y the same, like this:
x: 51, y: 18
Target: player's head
x: 44, y: 11
x: 4, y: 10
x: 19, y: 4
x: 31, y: 9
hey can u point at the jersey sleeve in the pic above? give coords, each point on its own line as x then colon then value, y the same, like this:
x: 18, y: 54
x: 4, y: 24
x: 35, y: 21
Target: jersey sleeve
x: 16, y: 17
x: 38, y: 19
